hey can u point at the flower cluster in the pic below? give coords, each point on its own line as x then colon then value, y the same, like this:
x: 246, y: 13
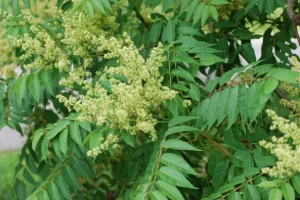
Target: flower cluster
x: 226, y: 11
x: 111, y: 140
x: 55, y: 43
x: 293, y: 104
x: 7, y: 58
x: 285, y: 148
x: 133, y: 88
x: 296, y: 64
x: 129, y: 103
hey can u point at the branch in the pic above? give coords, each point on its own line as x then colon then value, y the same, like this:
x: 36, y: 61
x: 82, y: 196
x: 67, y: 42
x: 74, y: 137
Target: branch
x: 295, y: 18
x: 281, y: 94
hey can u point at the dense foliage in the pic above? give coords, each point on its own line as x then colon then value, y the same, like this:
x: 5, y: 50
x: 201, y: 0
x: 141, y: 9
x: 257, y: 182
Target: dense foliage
x: 151, y: 99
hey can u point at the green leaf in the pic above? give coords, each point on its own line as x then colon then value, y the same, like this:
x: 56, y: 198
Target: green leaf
x: 267, y: 184
x: 174, y: 177
x: 213, y: 113
x: 128, y: 138
x: 205, y: 13
x: 248, y: 161
x: 177, y: 162
x: 85, y: 125
x: 63, y: 187
x: 34, y: 86
x: 169, y: 190
x: 226, y: 188
x: 53, y: 191
x: 250, y: 192
x: 187, y: 30
x: 270, y: 85
x: 46, y: 77
x: 183, y: 59
x: 194, y: 92
x: 98, y: 5
x: 180, y: 87
x: 214, y: 13
x: 191, y: 10
x: 218, y: 2
x: 172, y: 107
x: 251, y: 171
x: 178, y: 145
x: 233, y: 105
x: 180, y: 129
x: 58, y: 126
x: 222, y: 105
x: 63, y: 141
x: 94, y: 138
x: 281, y: 2
x: 88, y: 9
x: 70, y: 176
x: 18, y: 88
x: 44, y: 147
x: 28, y: 177
x: 180, y: 120
x: 182, y: 73
x: 15, y: 7
x: 106, y: 4
x: 265, y: 161
x: 208, y: 59
x: 170, y: 31
x: 284, y: 75
x: 198, y: 13
x: 219, y: 174
x: 275, y: 194
x: 166, y: 5
x: 254, y: 107
x: 56, y: 147
x: 250, y: 5
x: 81, y: 167
x: 75, y: 133
x: 238, y: 180
x: 31, y: 164
x: 215, y: 196
x: 155, y: 31
x: 76, y: 7
x: 183, y: 6
x: 296, y: 182
x: 235, y: 196
x: 157, y: 195
x: 243, y: 102
x: 43, y: 195
x: 211, y: 84
x: 287, y: 191
x: 146, y: 179
x: 27, y: 3
x: 36, y: 137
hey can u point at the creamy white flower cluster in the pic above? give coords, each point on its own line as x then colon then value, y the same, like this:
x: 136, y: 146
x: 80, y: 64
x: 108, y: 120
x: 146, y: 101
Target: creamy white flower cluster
x: 49, y: 46
x: 285, y: 148
x: 111, y: 140
x: 130, y: 103
x: 295, y: 63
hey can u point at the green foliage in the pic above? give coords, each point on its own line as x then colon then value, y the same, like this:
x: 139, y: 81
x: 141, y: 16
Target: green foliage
x: 188, y: 76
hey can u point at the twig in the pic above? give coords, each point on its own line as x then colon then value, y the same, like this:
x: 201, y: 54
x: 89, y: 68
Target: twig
x: 295, y: 18
x: 281, y: 94
x: 217, y: 145
x: 212, y: 141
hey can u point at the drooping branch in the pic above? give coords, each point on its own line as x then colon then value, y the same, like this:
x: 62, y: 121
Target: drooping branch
x: 295, y: 18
